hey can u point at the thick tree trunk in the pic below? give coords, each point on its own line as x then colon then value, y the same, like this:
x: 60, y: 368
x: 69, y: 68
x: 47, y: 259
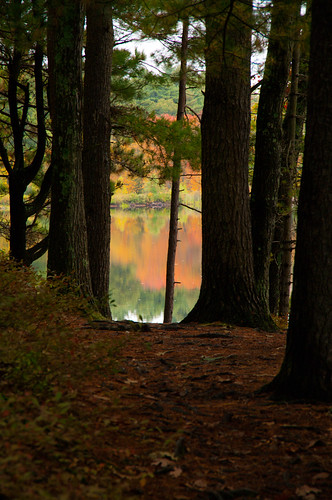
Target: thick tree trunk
x: 307, y: 371
x: 227, y: 290
x: 96, y: 147
x: 264, y: 193
x: 174, y: 212
x: 67, y: 237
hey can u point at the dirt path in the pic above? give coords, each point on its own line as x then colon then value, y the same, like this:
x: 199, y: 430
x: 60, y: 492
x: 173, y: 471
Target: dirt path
x: 180, y: 419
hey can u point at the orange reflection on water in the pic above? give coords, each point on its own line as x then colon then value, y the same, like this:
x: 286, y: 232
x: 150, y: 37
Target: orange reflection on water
x: 140, y: 239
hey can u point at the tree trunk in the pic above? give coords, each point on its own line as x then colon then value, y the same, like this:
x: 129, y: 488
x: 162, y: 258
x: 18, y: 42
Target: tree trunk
x: 96, y: 147
x: 264, y: 193
x: 21, y: 175
x: 292, y: 148
x: 174, y: 212
x: 17, y: 216
x: 307, y: 371
x: 67, y: 237
x: 282, y: 248
x: 227, y: 291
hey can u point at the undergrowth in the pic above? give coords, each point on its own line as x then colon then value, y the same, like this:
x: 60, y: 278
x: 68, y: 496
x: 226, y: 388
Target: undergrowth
x: 45, y: 360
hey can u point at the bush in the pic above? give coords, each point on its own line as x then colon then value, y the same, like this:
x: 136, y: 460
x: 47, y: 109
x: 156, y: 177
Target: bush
x: 46, y: 359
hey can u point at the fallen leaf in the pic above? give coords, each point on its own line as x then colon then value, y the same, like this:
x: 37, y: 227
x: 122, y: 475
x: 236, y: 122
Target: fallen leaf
x: 307, y: 492
x: 320, y: 476
x: 162, y: 462
x: 176, y: 472
x: 129, y: 381
x: 316, y: 442
x: 142, y: 482
x: 200, y: 483
x: 209, y: 359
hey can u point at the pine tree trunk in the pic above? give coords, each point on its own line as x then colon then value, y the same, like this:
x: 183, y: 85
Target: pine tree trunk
x: 96, y: 147
x: 227, y: 291
x: 306, y: 371
x: 265, y: 185
x: 67, y: 237
x: 283, y: 246
x: 294, y: 133
x: 174, y: 212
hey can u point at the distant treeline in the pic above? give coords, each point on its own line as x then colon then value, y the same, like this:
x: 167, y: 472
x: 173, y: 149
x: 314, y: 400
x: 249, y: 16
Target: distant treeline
x: 163, y: 99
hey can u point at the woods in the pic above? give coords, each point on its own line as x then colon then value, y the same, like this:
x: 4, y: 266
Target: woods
x: 69, y: 122
x: 234, y: 399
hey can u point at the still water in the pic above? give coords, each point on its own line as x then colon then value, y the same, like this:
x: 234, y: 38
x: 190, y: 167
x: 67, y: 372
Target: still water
x: 138, y: 263
x: 139, y: 241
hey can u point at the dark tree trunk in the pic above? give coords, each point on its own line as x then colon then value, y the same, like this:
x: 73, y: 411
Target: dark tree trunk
x: 17, y: 185
x: 67, y: 237
x: 307, y: 371
x: 96, y: 147
x: 174, y: 212
x: 227, y: 290
x: 17, y: 216
x: 264, y: 193
x: 298, y: 104
x: 21, y: 175
x: 283, y: 246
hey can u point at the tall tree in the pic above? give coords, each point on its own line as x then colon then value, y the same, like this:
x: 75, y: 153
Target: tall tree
x: 23, y: 132
x: 174, y: 212
x: 96, y: 146
x: 292, y: 144
x: 68, y: 251
x: 265, y: 184
x: 306, y: 371
x: 227, y: 291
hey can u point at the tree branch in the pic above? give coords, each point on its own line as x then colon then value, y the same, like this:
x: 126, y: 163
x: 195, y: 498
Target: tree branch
x: 37, y: 204
x: 36, y: 251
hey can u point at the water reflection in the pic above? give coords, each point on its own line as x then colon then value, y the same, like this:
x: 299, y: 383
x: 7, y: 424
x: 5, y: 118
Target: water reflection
x: 138, y: 263
x: 139, y: 241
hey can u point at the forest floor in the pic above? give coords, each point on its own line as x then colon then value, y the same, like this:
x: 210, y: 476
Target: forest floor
x: 184, y: 421
x: 176, y: 417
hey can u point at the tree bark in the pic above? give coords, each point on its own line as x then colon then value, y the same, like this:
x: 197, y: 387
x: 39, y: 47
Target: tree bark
x: 293, y: 125
x: 227, y: 291
x: 264, y: 193
x: 306, y: 371
x: 174, y: 212
x: 68, y: 252
x: 96, y: 146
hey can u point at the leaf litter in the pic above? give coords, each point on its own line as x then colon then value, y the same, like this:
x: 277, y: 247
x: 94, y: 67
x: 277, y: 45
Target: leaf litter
x: 189, y: 427
x: 198, y: 426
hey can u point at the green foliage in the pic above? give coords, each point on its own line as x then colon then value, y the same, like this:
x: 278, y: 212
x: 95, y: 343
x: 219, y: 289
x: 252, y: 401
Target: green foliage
x: 129, y: 76
x: 163, y: 98
x: 155, y: 143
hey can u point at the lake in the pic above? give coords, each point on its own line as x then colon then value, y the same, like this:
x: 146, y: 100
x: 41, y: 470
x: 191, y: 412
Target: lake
x: 139, y: 241
x: 138, y: 263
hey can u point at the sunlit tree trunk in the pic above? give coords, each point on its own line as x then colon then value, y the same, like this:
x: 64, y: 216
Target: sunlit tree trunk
x: 174, y: 212
x: 96, y: 146
x: 306, y: 371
